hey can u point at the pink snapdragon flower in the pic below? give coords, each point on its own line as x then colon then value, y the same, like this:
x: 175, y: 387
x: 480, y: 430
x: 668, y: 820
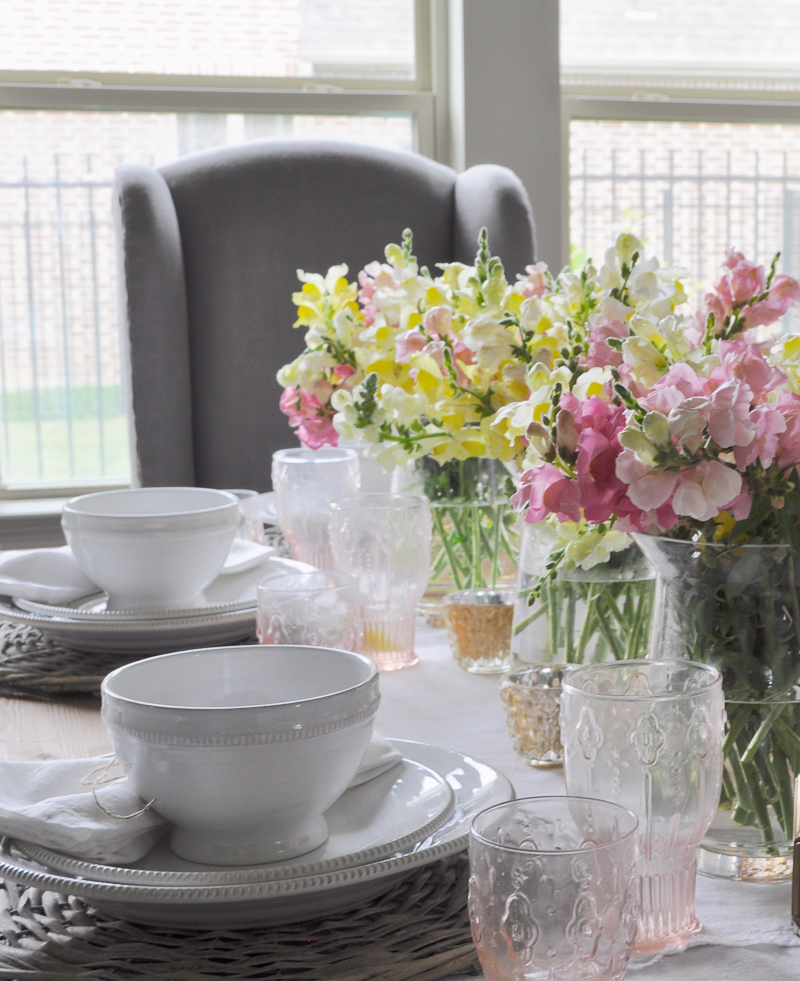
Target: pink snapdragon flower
x: 729, y: 421
x: 600, y: 353
x: 306, y: 415
x: 534, y: 282
x: 681, y: 382
x: 409, y: 343
x: 784, y: 292
x: 602, y: 492
x: 742, y: 280
x: 374, y: 276
x: 588, y: 431
x: 697, y: 492
x: 768, y: 423
x: 546, y: 490
x: 438, y: 320
x: 743, y: 360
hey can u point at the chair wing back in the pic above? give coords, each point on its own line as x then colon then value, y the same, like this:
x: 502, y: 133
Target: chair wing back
x: 210, y: 247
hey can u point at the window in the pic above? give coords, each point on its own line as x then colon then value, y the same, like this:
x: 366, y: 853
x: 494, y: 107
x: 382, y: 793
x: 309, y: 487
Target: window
x: 84, y: 87
x: 684, y: 128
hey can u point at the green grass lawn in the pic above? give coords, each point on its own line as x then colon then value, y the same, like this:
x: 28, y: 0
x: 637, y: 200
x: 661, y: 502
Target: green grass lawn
x: 68, y: 443
x: 80, y: 451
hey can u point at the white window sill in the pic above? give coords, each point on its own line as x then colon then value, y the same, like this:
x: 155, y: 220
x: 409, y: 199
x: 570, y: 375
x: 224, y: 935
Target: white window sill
x: 31, y: 523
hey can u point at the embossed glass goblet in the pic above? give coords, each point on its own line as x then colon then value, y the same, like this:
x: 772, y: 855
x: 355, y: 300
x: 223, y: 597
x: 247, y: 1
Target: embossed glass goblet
x: 316, y: 609
x: 648, y: 735
x: 385, y: 540
x: 553, y: 889
x: 305, y: 482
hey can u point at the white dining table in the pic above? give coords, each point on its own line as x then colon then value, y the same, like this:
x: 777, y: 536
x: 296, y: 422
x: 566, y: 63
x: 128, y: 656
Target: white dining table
x: 747, y: 928
x: 747, y: 932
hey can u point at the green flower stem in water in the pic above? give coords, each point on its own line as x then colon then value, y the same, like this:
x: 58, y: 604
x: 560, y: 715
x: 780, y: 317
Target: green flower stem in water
x: 737, y: 607
x: 590, y: 620
x: 475, y: 530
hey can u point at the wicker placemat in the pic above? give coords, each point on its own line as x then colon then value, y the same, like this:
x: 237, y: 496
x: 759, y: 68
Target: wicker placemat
x: 417, y: 931
x: 33, y: 665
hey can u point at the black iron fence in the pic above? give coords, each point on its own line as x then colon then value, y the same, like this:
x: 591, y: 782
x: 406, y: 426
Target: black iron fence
x: 61, y: 407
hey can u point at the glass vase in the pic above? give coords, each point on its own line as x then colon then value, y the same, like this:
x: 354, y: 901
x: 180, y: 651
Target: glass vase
x: 739, y: 610
x: 475, y: 529
x: 583, y: 615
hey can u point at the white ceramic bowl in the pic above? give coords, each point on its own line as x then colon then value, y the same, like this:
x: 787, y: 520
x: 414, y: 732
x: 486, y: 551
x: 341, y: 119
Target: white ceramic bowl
x: 243, y: 748
x: 152, y: 548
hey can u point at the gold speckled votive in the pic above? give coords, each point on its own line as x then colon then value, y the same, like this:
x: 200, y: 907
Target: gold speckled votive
x: 479, y: 627
x: 532, y: 700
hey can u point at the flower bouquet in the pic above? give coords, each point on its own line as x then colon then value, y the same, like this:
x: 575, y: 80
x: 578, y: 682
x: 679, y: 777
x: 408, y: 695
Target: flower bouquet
x: 415, y: 367
x: 684, y: 430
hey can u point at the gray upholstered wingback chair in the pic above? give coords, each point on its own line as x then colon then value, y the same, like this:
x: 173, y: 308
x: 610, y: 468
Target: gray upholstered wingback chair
x: 209, y: 248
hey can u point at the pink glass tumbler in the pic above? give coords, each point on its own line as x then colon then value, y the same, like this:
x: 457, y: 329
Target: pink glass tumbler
x: 648, y: 735
x: 553, y: 890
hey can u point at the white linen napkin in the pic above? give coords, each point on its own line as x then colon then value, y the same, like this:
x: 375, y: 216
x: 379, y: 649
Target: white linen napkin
x: 52, y: 803
x: 44, y: 575
x: 52, y: 575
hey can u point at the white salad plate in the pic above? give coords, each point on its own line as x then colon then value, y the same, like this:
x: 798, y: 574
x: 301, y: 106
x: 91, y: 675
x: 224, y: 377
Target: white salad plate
x: 269, y: 513
x: 368, y: 822
x: 476, y: 785
x: 86, y: 625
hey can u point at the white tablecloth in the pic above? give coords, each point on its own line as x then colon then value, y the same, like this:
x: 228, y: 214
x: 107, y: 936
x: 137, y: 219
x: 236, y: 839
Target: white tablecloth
x: 748, y: 932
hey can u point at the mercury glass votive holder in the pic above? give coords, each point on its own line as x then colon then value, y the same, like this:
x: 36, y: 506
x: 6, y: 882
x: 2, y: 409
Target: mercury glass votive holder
x: 532, y: 702
x: 479, y: 628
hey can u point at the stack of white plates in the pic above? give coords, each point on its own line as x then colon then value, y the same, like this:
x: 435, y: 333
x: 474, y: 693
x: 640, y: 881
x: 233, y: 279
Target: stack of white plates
x: 227, y: 615
x: 416, y: 813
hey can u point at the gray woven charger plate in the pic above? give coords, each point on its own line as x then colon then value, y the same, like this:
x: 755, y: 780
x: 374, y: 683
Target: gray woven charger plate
x: 33, y: 665
x: 417, y: 931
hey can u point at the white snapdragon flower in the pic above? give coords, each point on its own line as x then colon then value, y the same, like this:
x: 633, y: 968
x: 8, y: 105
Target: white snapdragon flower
x: 312, y: 366
x: 643, y: 282
x: 610, y: 309
x: 647, y: 364
x: 585, y: 546
x: 401, y: 407
x: 593, y: 382
x: 490, y: 340
x: 673, y: 332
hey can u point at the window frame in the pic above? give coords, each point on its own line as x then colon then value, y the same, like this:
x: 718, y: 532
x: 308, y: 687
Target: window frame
x: 424, y: 98
x: 317, y: 95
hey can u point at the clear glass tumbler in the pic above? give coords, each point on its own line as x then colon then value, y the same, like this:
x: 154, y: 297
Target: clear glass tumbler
x: 305, y: 482
x: 385, y: 540
x: 648, y: 735
x: 553, y: 889
x: 251, y: 522
x: 316, y: 609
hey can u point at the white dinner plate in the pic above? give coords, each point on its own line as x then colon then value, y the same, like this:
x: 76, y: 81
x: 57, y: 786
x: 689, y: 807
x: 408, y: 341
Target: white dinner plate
x: 476, y: 785
x: 139, y: 637
x: 227, y: 594
x: 95, y: 630
x: 368, y: 822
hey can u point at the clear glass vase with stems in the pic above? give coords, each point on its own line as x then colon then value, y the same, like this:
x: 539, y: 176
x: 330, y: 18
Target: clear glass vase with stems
x: 475, y: 529
x: 738, y: 608
x: 583, y: 615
